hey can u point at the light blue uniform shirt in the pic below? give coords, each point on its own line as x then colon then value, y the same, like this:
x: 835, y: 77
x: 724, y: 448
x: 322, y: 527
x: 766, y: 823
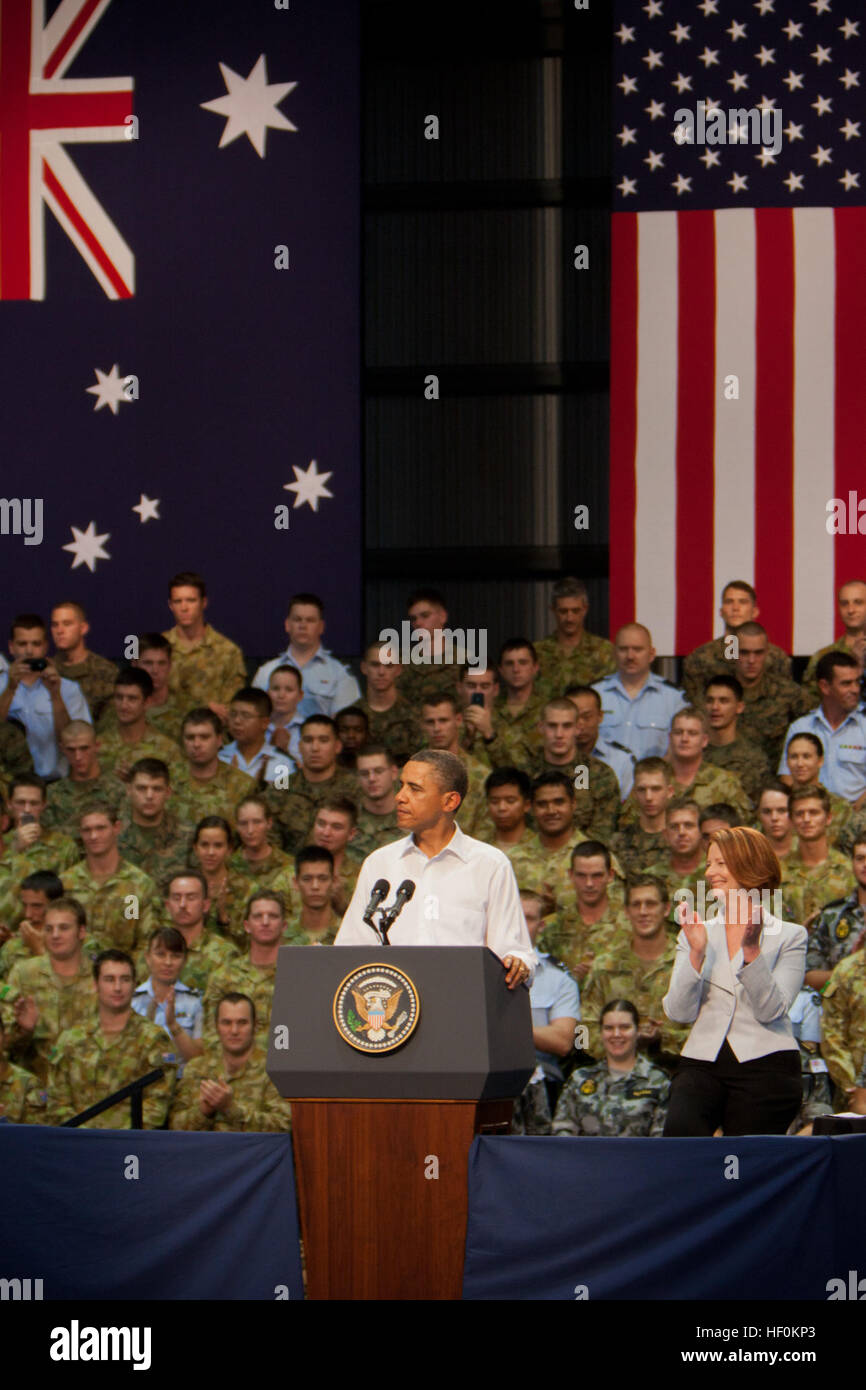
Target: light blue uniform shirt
x: 618, y: 761
x: 32, y: 705
x: 329, y: 686
x: 187, y: 1010
x: 294, y: 731
x: 554, y: 994
x: 642, y: 724
x: 844, y: 768
x: 271, y: 758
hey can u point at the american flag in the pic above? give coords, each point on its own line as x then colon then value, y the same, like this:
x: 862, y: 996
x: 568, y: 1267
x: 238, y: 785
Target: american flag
x: 738, y: 352
x: 179, y: 310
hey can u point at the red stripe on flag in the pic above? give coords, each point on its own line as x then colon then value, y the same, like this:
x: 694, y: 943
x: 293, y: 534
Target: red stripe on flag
x: 850, y: 408
x: 696, y: 350
x: 14, y: 150
x: 77, y: 221
x: 623, y: 416
x: 774, y: 422
x: 70, y: 36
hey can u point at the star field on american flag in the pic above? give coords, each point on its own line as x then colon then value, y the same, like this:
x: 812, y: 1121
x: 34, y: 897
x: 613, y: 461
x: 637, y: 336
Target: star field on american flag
x: 807, y: 61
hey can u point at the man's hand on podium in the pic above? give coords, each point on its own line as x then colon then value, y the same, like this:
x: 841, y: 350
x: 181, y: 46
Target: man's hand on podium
x: 517, y: 972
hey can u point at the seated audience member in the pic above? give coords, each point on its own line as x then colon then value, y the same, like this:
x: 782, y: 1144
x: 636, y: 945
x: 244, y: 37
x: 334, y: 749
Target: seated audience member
x: 840, y: 926
x: 840, y: 725
x: 638, y: 966
x: 426, y: 611
x: 641, y: 838
x: 509, y: 801
x: 852, y: 611
x: 378, y: 775
x: 576, y: 935
x: 597, y: 792
x: 843, y: 1026
x: 773, y: 818
x: 805, y: 755
x: 477, y: 689
x: 328, y: 684
x: 134, y: 737
x: 771, y: 700
x: 165, y: 999
x: 20, y: 1100
x: 728, y: 747
x: 21, y: 931
x: 334, y: 830
x: 152, y: 838
x: 813, y: 874
x: 805, y: 1014
x: 739, y: 606
x: 316, y: 923
x: 571, y: 655
x: 353, y: 731
x: 263, y: 863
x: 164, y: 712
x: 186, y: 906
x: 637, y: 707
x: 587, y: 702
x: 37, y: 695
x: 318, y: 777
x: 87, y: 779
x: 623, y: 1095
x: 228, y: 1088
x: 29, y: 846
x: 442, y: 724
x: 206, y: 667
x: 50, y: 992
x: 248, y: 719
x: 555, y: 1001
x: 114, y: 1047
x: 94, y: 675
x: 391, y: 720
x: 253, y: 973
x: 715, y: 817
x: 120, y: 899
x: 205, y: 786
x: 682, y: 864
x: 286, y: 689
x: 227, y: 889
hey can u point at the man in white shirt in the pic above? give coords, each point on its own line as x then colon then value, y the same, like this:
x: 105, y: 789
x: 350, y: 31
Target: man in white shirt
x: 465, y: 891
x: 328, y: 684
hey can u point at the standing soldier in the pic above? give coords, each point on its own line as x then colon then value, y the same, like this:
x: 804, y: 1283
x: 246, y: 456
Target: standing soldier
x: 771, y: 699
x: 93, y: 674
x: 840, y: 926
x: 392, y: 720
x: 571, y: 655
x: 206, y: 667
x: 739, y: 606
x: 728, y: 749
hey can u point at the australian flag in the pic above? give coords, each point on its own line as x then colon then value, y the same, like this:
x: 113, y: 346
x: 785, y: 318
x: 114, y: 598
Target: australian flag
x: 179, y: 310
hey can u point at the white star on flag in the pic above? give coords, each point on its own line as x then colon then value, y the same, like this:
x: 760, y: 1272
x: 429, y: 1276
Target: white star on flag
x: 309, y: 485
x: 250, y: 106
x: 87, y: 547
x: 109, y: 389
x: 147, y: 508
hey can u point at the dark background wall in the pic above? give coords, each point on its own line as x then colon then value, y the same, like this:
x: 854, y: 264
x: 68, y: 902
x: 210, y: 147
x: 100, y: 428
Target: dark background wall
x: 468, y: 274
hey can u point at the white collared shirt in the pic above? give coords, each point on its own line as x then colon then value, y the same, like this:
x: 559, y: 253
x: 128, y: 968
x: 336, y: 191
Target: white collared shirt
x: 466, y: 895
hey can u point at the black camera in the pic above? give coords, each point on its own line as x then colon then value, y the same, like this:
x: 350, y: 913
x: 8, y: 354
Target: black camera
x: 36, y: 663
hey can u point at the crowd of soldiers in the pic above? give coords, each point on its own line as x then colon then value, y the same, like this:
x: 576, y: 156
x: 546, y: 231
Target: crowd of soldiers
x: 171, y: 822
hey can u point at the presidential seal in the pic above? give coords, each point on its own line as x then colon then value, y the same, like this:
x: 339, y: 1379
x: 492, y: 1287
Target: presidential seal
x: 376, y: 1008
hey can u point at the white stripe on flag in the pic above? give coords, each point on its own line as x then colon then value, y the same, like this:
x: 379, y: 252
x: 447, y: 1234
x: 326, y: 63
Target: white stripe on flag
x: 814, y: 433
x: 655, y: 461
x: 734, y: 464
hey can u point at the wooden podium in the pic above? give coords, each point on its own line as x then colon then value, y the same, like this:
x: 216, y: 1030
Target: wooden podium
x: 381, y: 1138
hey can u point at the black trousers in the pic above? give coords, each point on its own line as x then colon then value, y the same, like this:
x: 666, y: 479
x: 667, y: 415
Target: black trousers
x: 757, y: 1097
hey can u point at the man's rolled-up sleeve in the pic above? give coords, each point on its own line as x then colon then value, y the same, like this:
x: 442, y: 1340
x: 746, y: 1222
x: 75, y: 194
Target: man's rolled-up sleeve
x: 507, y: 934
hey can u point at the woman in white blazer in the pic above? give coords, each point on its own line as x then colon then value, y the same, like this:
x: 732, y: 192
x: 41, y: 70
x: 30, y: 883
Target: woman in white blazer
x: 734, y: 979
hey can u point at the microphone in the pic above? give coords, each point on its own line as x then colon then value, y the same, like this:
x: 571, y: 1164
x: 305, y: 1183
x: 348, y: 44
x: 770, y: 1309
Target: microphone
x: 405, y: 893
x: 381, y: 889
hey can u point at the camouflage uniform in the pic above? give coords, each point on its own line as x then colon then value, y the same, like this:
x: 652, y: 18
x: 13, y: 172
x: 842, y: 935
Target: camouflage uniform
x: 256, y: 981
x: 62, y: 1003
x: 596, y: 806
x: 557, y: 875
x: 516, y: 737
x: 663, y: 868
x: 473, y: 816
x: 853, y: 827
x: 835, y: 932
x: 804, y: 890
x: 226, y: 913
x: 372, y: 831
x: 771, y: 704
x: 805, y: 1015
x: 274, y: 875
x: 418, y: 683
x: 160, y: 850
x: 296, y: 934
x: 204, y: 958
x: 218, y: 796
x: 842, y: 813
x: 95, y: 676
x: 809, y: 679
x: 15, y: 759
x: 67, y: 798
x: 117, y: 757
x: 212, y: 669
x: 87, y: 1065
x: 710, y: 784
x: 20, y: 1101
x: 531, y: 1112
x: 618, y: 973
x: 592, y: 658
x: 167, y: 719
x: 397, y: 728
x: 710, y: 660
x: 636, y: 848
x: 52, y: 851
x: 568, y: 939
x: 745, y: 760
x: 294, y: 807
x: 596, y: 1101
x: 344, y: 883
x: 843, y: 1027
x: 256, y: 1104
x: 528, y: 859
x: 105, y: 905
